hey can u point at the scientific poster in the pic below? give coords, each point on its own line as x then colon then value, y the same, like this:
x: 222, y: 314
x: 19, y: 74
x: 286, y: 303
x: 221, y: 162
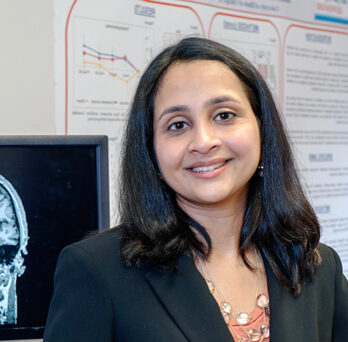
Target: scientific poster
x: 300, y: 48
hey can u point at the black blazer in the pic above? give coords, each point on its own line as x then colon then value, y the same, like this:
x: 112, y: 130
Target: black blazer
x: 97, y: 299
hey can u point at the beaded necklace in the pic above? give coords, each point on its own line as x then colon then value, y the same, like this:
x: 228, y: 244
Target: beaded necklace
x: 243, y: 318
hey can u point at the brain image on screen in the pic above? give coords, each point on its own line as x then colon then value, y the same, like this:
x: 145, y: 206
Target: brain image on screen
x: 13, y: 242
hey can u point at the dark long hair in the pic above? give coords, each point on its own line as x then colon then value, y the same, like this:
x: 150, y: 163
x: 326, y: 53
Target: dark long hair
x: 278, y: 219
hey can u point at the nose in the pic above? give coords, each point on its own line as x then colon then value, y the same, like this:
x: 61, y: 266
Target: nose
x: 204, y: 139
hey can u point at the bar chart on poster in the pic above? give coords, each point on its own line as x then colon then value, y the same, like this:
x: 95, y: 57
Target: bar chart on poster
x: 299, y: 47
x: 256, y: 39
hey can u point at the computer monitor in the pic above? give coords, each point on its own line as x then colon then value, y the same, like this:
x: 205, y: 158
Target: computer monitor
x: 53, y: 192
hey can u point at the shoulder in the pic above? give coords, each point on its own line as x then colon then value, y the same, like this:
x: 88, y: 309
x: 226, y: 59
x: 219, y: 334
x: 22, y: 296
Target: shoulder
x: 327, y: 252
x: 98, y: 255
x: 330, y: 275
x: 96, y: 261
x: 105, y: 243
x: 99, y: 246
x: 329, y: 281
x: 89, y: 278
x: 330, y: 261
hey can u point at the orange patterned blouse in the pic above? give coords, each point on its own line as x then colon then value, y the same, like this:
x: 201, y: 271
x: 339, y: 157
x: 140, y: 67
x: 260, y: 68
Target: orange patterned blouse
x: 256, y: 330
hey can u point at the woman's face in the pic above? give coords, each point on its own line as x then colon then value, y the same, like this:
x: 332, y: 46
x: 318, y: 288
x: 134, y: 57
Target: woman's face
x: 206, y: 136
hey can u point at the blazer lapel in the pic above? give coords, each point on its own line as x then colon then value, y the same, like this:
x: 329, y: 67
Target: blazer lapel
x: 195, y: 311
x: 188, y: 301
x: 286, y: 320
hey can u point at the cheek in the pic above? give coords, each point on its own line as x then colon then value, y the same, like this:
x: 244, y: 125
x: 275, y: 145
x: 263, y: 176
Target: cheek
x: 169, y: 157
x: 247, y: 144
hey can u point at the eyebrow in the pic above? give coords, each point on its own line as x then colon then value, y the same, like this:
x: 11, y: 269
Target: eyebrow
x: 208, y: 103
x: 174, y: 109
x: 219, y: 99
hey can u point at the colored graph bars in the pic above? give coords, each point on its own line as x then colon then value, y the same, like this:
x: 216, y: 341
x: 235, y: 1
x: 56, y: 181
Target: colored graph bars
x: 101, y: 56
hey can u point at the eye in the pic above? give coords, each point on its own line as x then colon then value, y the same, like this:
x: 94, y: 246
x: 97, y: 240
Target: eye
x: 224, y: 116
x: 177, y: 126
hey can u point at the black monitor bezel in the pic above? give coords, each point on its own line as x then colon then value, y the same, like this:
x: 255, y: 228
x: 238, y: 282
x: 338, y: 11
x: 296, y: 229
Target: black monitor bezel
x: 100, y: 142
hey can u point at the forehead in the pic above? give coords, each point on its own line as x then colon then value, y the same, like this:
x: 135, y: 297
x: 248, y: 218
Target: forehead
x: 186, y: 81
x: 197, y: 68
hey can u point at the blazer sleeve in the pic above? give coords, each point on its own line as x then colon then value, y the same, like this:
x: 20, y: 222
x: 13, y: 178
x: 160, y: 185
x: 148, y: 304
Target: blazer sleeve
x: 340, y: 325
x: 80, y: 309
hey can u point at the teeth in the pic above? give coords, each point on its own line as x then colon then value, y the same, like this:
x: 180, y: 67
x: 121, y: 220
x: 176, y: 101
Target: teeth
x: 207, y: 168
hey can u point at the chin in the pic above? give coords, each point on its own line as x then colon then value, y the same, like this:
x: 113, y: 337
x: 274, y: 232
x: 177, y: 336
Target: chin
x: 211, y: 199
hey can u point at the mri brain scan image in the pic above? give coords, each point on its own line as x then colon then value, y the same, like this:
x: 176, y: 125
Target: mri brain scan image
x: 13, y: 242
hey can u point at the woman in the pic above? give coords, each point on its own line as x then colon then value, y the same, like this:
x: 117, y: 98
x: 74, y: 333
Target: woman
x: 217, y: 241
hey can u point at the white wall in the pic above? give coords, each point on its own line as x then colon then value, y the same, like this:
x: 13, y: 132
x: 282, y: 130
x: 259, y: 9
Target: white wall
x: 26, y: 68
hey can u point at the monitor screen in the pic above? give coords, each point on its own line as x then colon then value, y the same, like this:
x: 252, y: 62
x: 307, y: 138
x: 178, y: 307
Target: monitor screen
x: 53, y: 192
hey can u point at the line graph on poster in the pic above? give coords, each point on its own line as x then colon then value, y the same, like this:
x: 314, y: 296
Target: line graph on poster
x: 106, y: 67
x: 97, y: 61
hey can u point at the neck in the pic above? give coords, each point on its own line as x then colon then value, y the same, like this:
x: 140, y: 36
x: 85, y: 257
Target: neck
x: 222, y: 222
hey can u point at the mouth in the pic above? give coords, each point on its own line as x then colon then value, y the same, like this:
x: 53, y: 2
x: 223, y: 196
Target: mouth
x: 208, y: 168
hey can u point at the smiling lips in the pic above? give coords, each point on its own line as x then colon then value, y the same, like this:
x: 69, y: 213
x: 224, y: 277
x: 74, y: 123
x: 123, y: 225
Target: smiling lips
x: 209, y: 169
